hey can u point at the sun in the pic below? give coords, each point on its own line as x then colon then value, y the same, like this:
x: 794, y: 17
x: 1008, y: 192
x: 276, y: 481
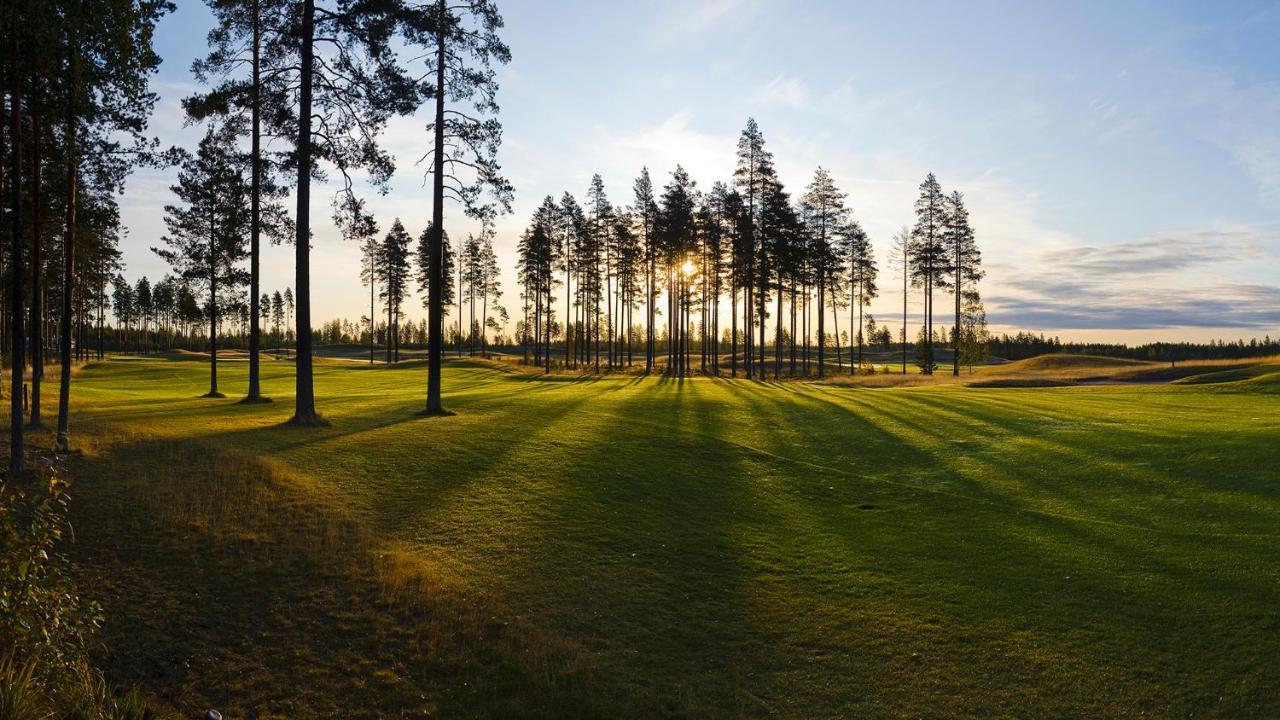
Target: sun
x: 687, y: 268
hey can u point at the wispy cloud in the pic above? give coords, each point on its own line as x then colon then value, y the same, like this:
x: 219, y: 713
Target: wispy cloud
x: 1240, y: 119
x: 785, y: 91
x: 678, y: 21
x: 1066, y: 306
x: 1165, y: 281
x: 1158, y: 254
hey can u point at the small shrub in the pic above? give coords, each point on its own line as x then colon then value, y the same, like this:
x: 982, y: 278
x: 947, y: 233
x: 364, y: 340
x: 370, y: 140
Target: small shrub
x: 44, y: 623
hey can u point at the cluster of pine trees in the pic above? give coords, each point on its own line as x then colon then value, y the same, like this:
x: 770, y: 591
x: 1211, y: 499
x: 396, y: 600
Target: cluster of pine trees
x: 392, y: 267
x: 323, y: 76
x: 77, y: 101
x: 680, y: 253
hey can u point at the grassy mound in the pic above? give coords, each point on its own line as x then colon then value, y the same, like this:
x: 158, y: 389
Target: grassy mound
x: 1030, y: 382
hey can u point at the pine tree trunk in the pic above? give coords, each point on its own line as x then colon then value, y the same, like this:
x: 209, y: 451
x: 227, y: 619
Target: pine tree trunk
x: 822, y: 338
x: 305, y: 402
x: 733, y: 328
x: 37, y: 271
x: 255, y: 212
x: 213, y: 327
x: 955, y: 330
x: 777, y: 338
x: 17, y: 361
x: 63, y: 442
x: 436, y: 310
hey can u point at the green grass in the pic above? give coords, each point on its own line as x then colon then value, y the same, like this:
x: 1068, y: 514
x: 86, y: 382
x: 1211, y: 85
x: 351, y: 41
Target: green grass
x: 641, y: 547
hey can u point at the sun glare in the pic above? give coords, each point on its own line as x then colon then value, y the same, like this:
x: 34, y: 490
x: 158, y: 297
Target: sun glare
x: 687, y: 268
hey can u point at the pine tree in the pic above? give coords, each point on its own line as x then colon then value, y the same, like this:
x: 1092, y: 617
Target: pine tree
x: 18, y: 358
x: 779, y: 231
x: 145, y: 307
x: 250, y: 63
x: 596, y: 246
x: 862, y: 276
x: 900, y: 257
x: 646, y: 213
x: 346, y: 85
x: 490, y: 285
x: 928, y: 256
x: 207, y: 230
x: 630, y: 260
x: 277, y: 314
x: 123, y: 306
x: 87, y: 64
x: 463, y: 45
x: 288, y: 316
x: 754, y: 176
x: 393, y: 267
x: 965, y: 268
x: 422, y: 254
x: 824, y: 213
x: 676, y: 233
x: 974, y: 337
x: 570, y: 230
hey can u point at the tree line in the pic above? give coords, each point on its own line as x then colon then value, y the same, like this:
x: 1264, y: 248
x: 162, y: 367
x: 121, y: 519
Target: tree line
x: 680, y: 253
x: 1025, y: 345
x: 321, y: 77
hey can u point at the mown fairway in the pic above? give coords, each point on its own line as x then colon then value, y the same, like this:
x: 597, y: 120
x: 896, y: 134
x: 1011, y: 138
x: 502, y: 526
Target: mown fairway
x: 628, y: 547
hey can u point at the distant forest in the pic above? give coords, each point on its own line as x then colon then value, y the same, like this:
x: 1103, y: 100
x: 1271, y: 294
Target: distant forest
x: 1024, y: 345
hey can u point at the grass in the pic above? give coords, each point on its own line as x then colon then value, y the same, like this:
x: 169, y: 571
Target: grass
x: 643, y: 547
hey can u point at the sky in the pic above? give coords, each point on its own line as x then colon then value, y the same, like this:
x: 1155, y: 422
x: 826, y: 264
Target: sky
x: 1120, y: 160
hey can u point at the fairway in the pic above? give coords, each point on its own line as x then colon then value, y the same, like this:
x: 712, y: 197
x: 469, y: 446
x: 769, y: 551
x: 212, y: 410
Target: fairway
x: 643, y: 547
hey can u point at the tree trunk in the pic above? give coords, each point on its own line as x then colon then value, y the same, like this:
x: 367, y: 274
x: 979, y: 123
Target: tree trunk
x: 649, y: 349
x: 37, y: 271
x: 777, y: 338
x: 860, y: 338
x: 822, y: 338
x: 63, y: 442
x: 17, y: 360
x: 436, y: 310
x: 305, y: 401
x: 955, y: 330
x: 255, y: 216
x: 213, y: 326
x: 733, y: 328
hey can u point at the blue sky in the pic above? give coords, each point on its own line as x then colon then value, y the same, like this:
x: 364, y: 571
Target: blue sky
x: 1121, y: 160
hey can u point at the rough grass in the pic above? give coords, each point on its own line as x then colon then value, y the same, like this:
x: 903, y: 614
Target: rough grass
x: 641, y: 547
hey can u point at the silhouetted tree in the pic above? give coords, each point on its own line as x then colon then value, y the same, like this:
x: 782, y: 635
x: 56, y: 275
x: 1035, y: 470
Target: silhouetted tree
x: 754, y: 176
x: 207, y: 230
x: 824, y: 213
x: 251, y: 63
x: 677, y: 237
x: 347, y: 83
x: 463, y: 44
x: 965, y: 262
x: 928, y: 256
x: 900, y: 257
x: 646, y: 212
x: 862, y: 275
x: 394, y: 274
x: 145, y: 308
x: 422, y: 254
x: 488, y: 284
x: 17, y: 359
